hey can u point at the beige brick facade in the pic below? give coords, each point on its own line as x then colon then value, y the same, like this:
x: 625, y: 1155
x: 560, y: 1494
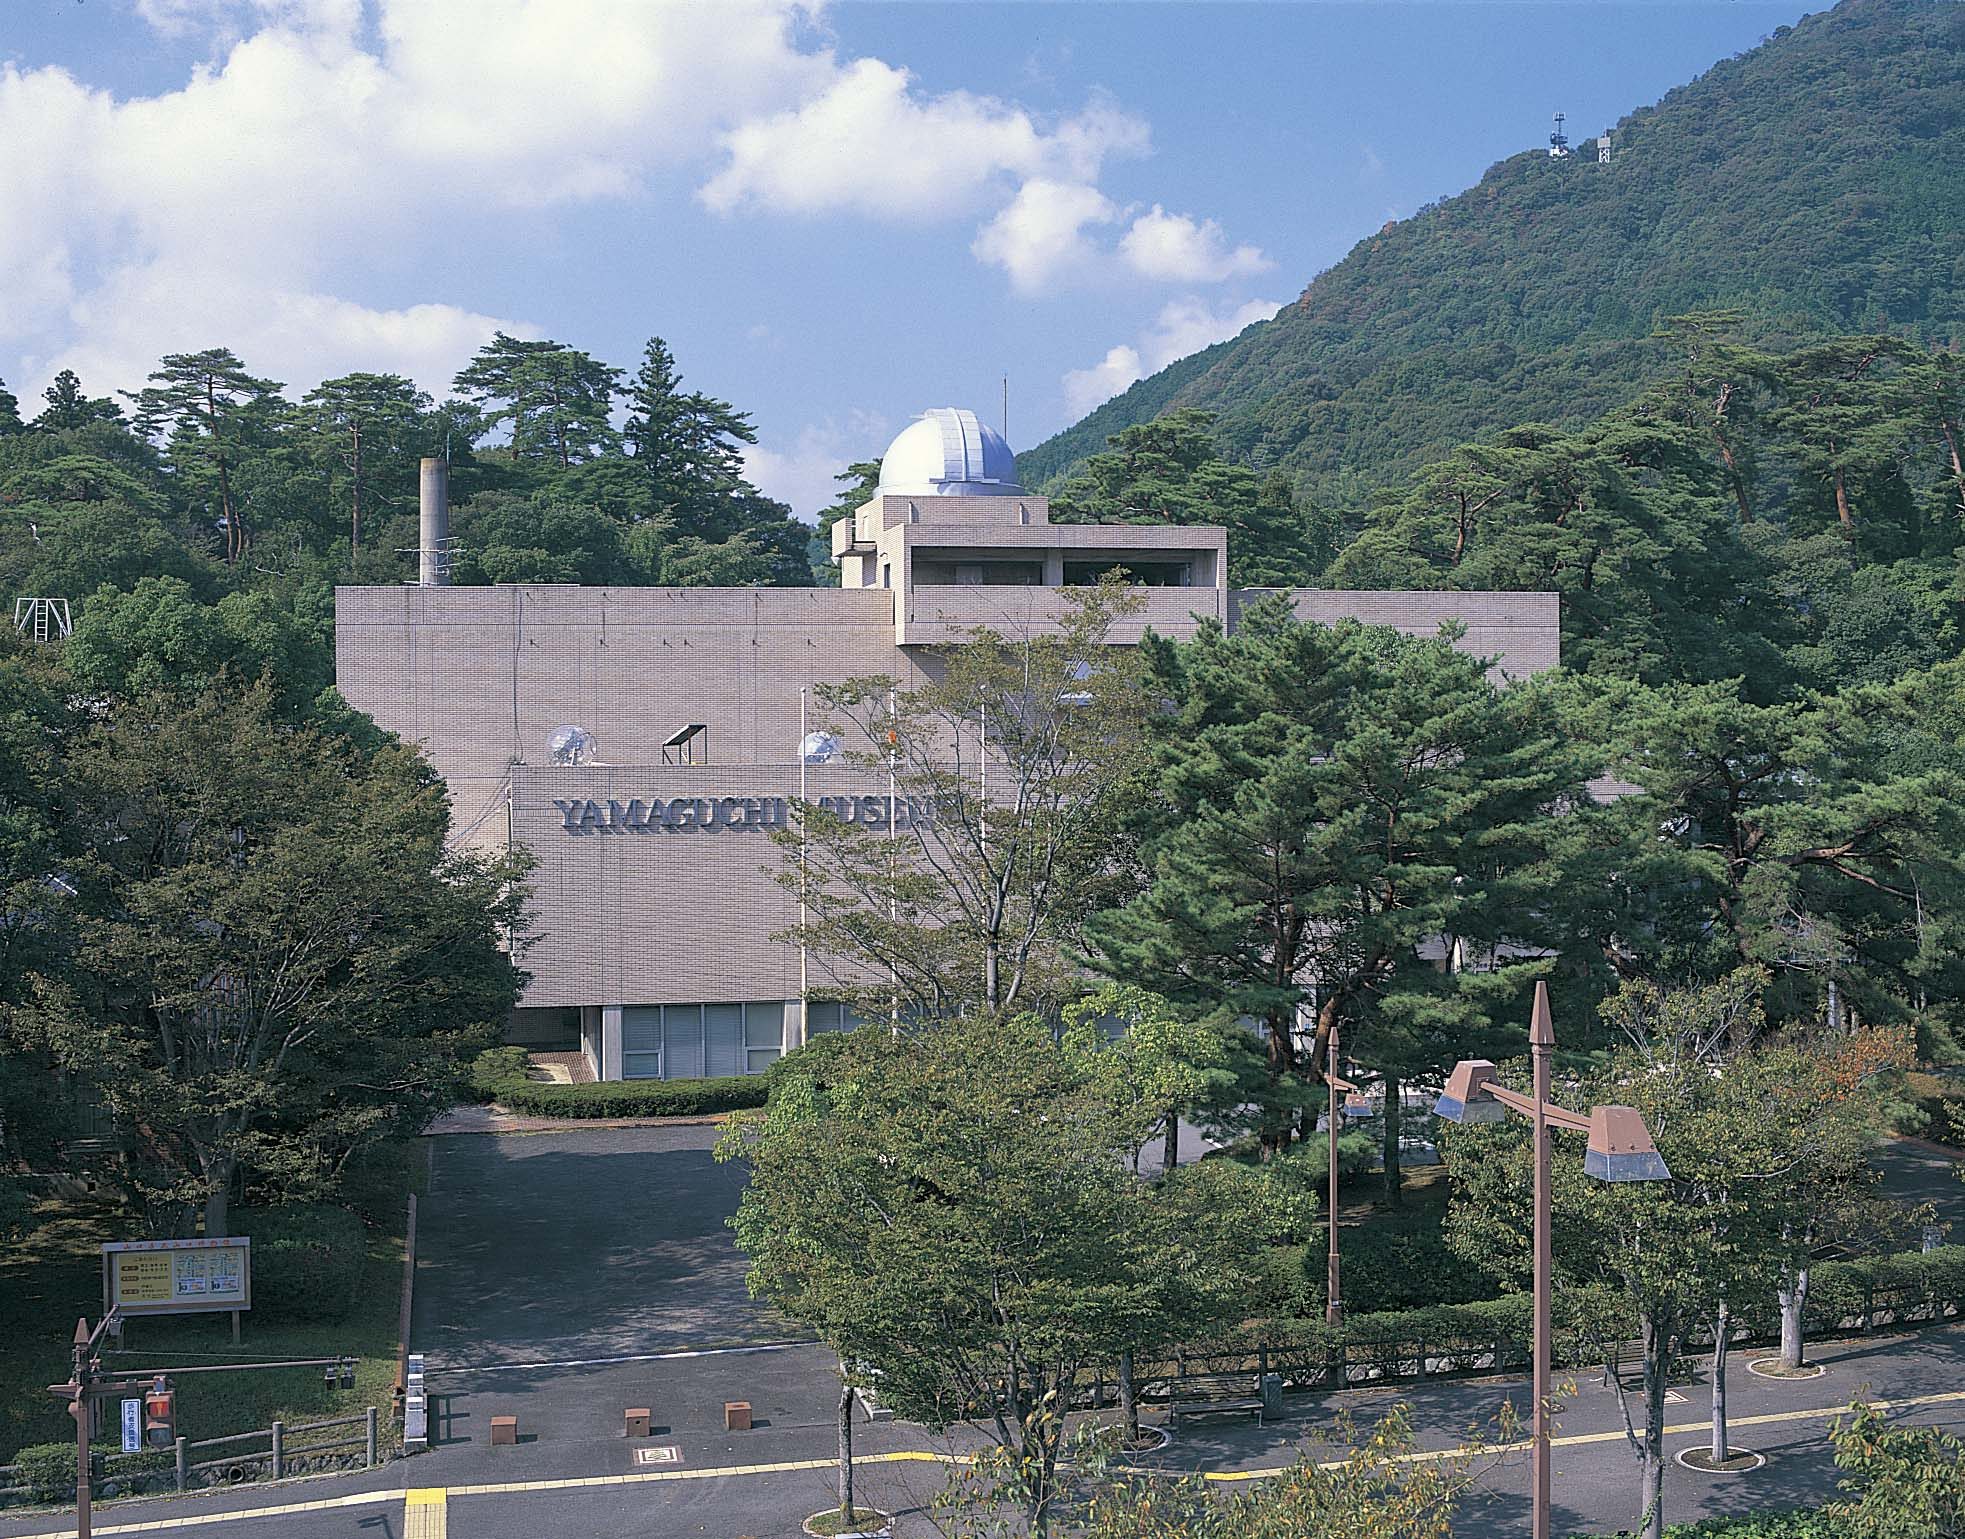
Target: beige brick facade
x: 632, y: 912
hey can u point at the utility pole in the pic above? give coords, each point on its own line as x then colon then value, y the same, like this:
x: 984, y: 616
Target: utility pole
x: 80, y: 1409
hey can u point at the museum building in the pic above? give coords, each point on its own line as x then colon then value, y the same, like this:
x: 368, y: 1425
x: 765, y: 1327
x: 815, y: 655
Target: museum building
x: 642, y: 742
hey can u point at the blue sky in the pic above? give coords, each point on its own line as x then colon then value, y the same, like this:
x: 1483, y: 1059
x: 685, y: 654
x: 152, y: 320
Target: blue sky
x: 837, y: 215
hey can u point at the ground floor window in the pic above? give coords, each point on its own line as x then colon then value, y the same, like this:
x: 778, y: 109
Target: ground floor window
x: 824, y: 1015
x: 700, y: 1041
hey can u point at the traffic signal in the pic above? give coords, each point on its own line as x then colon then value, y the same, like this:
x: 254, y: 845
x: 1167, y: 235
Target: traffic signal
x: 159, y: 1416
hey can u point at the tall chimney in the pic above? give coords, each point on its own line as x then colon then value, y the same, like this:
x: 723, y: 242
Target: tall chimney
x: 433, y: 533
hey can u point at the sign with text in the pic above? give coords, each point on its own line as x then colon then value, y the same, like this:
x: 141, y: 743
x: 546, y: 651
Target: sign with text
x: 178, y: 1277
x: 709, y: 814
x: 132, y: 1426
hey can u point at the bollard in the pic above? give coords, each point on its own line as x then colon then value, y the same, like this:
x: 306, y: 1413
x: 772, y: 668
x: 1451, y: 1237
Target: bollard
x: 504, y: 1431
x: 183, y: 1457
x: 637, y: 1419
x: 368, y: 1438
x: 279, y: 1450
x: 736, y: 1416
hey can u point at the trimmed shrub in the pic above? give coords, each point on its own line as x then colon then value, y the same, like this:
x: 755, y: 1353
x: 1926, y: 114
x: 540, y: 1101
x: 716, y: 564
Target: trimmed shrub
x: 635, y: 1097
x: 496, y: 1068
x: 1755, y: 1525
x: 48, y: 1471
x: 307, y: 1259
x: 1936, y: 1110
x: 1407, y: 1271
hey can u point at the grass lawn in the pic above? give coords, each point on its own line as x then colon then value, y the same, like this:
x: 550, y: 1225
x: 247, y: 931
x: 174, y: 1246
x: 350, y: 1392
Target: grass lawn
x: 55, y: 1275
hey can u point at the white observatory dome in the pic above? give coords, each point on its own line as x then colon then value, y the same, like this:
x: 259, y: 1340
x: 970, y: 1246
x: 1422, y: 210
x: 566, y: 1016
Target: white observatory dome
x: 947, y: 452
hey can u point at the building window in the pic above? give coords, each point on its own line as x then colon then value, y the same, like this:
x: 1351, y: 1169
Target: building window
x: 701, y: 1041
x: 824, y: 1015
x: 641, y: 1042
x: 764, y: 1035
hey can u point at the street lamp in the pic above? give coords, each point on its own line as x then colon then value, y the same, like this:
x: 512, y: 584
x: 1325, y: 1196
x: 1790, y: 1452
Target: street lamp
x: 1620, y: 1149
x: 1333, y: 1302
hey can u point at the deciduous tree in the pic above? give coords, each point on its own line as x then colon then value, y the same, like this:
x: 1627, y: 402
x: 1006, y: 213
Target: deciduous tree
x: 277, y: 962
x: 953, y: 1212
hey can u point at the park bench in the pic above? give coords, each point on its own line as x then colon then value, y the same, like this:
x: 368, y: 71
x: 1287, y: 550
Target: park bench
x: 1205, y: 1394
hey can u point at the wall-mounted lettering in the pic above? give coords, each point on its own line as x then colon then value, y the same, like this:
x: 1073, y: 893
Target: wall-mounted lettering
x: 714, y: 814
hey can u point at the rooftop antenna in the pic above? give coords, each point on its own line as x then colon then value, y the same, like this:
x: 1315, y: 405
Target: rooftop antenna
x: 1603, y: 148
x: 43, y: 619
x: 1006, y: 408
x: 1558, y: 142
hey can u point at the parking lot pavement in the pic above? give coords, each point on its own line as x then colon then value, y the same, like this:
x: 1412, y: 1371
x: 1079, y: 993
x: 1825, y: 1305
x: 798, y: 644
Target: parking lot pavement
x: 1915, y: 1171
x: 580, y: 1245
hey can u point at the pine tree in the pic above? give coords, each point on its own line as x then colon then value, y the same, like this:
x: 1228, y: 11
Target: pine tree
x: 554, y: 398
x: 69, y: 406
x: 688, y: 444
x: 212, y: 410
x: 9, y: 411
x: 1168, y: 471
x: 1324, y: 803
x: 371, y: 427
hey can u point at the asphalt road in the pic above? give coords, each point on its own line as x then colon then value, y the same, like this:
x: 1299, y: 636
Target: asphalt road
x: 567, y: 1276
x: 724, y: 1484
x: 555, y: 1247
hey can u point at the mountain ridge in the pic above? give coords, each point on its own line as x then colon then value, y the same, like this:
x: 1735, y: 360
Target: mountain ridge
x: 1815, y: 182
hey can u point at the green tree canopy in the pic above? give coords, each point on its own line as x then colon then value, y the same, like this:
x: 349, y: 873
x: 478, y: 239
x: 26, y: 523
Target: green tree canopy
x: 952, y: 1210
x: 277, y: 961
x: 212, y: 414
x: 1168, y: 471
x: 554, y: 399
x: 1326, y: 809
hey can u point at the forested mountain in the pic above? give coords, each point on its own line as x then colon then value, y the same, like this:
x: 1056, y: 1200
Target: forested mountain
x: 1815, y: 184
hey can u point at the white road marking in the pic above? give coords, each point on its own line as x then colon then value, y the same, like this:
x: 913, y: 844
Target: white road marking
x: 626, y: 1357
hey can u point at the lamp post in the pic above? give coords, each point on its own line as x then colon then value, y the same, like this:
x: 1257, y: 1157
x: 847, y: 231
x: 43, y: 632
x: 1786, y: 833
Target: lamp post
x: 1620, y: 1149
x: 1333, y: 1296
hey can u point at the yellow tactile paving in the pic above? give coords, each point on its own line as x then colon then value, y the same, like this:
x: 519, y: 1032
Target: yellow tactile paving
x: 426, y: 1513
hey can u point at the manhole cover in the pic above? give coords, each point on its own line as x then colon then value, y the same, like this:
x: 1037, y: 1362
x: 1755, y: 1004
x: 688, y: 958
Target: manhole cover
x: 658, y: 1456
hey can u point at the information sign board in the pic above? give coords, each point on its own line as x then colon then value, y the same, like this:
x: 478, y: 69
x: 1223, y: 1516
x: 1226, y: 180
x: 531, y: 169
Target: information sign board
x: 132, y: 1426
x: 178, y: 1277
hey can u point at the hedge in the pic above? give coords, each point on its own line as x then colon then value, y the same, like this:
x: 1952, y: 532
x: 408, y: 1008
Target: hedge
x: 1755, y: 1525
x: 47, y: 1470
x: 633, y: 1097
x: 1936, y: 1110
x: 307, y: 1259
x: 1837, y: 1289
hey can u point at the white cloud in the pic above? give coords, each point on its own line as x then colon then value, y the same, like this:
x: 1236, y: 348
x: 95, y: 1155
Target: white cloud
x: 871, y: 143
x: 1183, y: 326
x: 1178, y: 249
x: 298, y: 337
x: 308, y: 149
x: 1041, y: 234
x: 801, y: 474
x: 1086, y: 389
x: 326, y: 141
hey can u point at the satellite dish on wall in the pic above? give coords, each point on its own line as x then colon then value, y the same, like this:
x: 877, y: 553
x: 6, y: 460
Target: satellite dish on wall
x: 573, y: 745
x: 819, y: 748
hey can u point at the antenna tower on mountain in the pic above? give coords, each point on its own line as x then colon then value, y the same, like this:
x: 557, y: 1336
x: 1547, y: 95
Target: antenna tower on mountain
x: 1603, y: 148
x: 1558, y: 142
